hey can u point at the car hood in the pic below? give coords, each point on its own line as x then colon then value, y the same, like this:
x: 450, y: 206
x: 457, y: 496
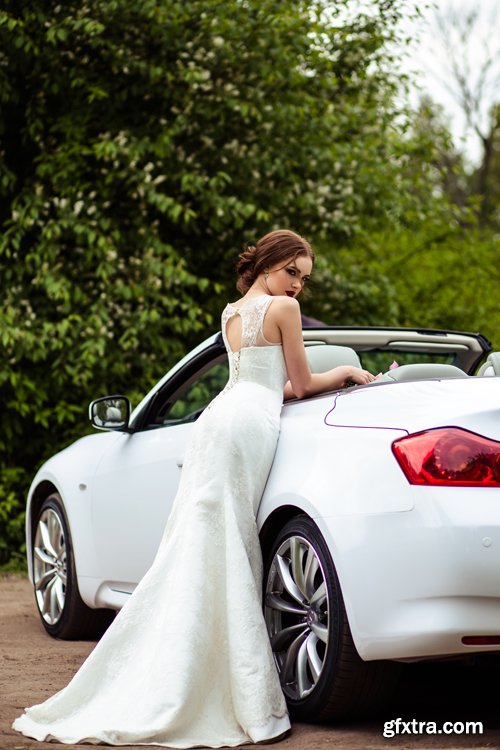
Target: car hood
x: 472, y: 403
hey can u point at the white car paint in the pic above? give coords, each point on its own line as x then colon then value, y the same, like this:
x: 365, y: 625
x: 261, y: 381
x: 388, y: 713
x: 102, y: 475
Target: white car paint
x: 418, y: 566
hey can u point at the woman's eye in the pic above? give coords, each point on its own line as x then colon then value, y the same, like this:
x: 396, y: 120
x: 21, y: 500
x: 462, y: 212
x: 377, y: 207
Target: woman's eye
x: 291, y: 271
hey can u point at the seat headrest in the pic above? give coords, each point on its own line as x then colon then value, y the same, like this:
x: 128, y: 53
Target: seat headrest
x: 492, y: 365
x: 424, y: 371
x: 322, y: 357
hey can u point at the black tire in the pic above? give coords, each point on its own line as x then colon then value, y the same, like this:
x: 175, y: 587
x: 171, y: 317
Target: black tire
x: 322, y: 675
x: 62, y: 611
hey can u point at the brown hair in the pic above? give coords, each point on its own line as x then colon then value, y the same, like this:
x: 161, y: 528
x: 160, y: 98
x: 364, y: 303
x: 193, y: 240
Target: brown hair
x: 276, y: 246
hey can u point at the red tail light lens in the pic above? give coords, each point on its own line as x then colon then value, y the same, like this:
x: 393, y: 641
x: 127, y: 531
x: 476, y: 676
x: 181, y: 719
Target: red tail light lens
x: 450, y: 457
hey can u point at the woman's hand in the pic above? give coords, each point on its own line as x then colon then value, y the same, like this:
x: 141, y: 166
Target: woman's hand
x: 349, y: 374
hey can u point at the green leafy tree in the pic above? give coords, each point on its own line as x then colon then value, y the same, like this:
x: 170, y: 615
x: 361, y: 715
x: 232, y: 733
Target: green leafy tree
x: 440, y: 259
x: 485, y: 180
x: 141, y: 144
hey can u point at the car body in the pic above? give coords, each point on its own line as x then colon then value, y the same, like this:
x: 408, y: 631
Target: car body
x: 379, y: 524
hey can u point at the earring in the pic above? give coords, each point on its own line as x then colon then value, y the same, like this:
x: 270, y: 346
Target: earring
x: 266, y: 275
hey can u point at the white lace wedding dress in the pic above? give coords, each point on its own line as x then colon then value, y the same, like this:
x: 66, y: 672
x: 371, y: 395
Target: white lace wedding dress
x: 187, y: 662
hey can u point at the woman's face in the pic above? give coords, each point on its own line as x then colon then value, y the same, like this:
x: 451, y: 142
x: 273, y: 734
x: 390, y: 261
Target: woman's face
x: 290, y: 277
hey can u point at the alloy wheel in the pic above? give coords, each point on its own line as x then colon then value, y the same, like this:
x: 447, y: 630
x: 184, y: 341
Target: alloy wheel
x: 49, y: 566
x: 297, y: 615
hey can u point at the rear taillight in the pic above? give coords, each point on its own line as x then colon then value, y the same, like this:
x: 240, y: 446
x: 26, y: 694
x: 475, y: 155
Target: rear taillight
x: 449, y: 456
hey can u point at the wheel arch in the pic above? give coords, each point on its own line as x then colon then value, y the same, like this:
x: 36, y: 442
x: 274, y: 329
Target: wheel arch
x: 74, y: 619
x: 275, y: 522
x: 37, y: 497
x: 351, y: 687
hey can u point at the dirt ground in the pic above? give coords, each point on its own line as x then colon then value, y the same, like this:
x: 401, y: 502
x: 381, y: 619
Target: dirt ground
x: 33, y: 666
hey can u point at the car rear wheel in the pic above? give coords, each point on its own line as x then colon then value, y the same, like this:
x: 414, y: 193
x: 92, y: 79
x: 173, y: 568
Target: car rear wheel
x: 62, y: 611
x: 322, y: 676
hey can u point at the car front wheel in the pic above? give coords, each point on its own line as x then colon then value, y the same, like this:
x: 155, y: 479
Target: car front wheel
x: 322, y: 675
x: 62, y: 611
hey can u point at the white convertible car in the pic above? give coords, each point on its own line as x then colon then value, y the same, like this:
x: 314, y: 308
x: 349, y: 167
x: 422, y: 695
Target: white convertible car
x: 380, y: 522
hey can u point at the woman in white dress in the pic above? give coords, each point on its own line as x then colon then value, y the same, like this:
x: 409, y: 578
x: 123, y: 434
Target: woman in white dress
x: 187, y: 661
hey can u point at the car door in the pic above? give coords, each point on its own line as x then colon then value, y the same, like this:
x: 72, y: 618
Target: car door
x: 137, y: 478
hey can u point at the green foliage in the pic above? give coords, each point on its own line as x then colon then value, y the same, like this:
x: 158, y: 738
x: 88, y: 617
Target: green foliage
x: 141, y: 145
x: 344, y: 291
x: 420, y: 202
x: 450, y: 281
x: 11, y: 520
x: 434, y: 266
x: 485, y: 180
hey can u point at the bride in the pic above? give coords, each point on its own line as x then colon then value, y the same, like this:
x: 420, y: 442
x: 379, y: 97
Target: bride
x: 187, y: 661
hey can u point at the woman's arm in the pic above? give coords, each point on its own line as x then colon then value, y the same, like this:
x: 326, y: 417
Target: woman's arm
x: 303, y: 383
x: 329, y: 380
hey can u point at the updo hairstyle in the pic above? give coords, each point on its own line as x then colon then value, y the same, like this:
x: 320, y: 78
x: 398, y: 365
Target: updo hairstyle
x: 275, y: 247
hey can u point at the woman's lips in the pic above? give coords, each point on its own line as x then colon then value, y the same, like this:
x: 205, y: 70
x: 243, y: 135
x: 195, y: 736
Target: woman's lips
x: 290, y: 294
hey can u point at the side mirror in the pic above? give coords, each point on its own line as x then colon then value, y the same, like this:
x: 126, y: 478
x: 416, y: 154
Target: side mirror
x: 110, y: 413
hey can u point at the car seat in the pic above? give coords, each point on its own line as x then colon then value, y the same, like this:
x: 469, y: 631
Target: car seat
x: 322, y: 357
x: 491, y: 366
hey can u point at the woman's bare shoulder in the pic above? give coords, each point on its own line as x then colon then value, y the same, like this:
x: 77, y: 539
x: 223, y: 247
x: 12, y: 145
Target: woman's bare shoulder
x: 283, y: 308
x: 284, y: 304
x: 285, y: 312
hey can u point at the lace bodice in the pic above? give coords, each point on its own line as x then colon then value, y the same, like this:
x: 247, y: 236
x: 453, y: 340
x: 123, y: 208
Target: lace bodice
x: 258, y: 360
